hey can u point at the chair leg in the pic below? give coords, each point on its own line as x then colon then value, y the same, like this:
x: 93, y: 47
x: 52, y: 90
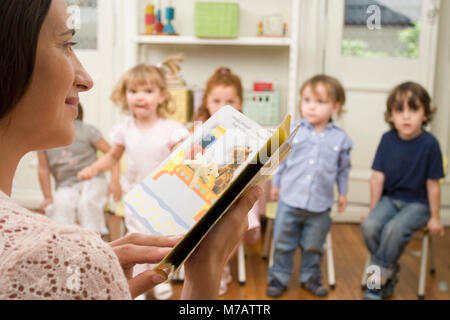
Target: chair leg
x: 432, y: 263
x: 267, y: 236
x: 241, y: 265
x: 423, y: 266
x: 364, y: 277
x: 330, y: 262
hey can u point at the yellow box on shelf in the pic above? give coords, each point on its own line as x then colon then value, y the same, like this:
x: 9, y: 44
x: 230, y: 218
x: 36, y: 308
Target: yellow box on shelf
x: 181, y: 100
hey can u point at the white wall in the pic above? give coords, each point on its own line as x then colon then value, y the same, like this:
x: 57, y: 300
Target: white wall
x: 441, y: 122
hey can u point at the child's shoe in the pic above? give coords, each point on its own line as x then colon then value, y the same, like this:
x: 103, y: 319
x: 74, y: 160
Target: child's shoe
x: 387, y: 290
x: 315, y: 287
x: 373, y: 294
x: 225, y: 280
x: 163, y: 291
x: 275, y: 289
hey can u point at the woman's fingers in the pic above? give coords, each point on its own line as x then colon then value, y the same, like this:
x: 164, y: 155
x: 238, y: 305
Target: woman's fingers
x: 130, y: 254
x: 141, y: 239
x: 145, y: 281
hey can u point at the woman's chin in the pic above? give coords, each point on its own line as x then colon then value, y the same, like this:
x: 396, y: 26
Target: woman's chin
x: 64, y: 137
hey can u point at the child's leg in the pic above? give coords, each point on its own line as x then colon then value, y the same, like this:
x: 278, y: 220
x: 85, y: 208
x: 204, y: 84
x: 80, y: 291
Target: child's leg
x: 314, y: 232
x: 92, y: 204
x: 397, y: 234
x: 64, y: 206
x: 286, y: 233
x: 253, y: 233
x: 377, y: 219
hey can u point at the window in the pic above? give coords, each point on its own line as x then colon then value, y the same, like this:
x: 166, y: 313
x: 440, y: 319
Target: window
x: 382, y: 28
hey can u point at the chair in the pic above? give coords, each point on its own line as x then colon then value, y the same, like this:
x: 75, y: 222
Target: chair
x: 271, y: 209
x: 427, y: 244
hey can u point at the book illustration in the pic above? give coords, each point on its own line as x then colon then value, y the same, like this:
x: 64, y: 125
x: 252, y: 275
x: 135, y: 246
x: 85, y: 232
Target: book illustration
x: 226, y: 173
x: 202, y: 169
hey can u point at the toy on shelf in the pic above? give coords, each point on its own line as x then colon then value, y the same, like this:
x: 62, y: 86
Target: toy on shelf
x: 158, y: 25
x: 216, y: 19
x: 170, y: 15
x: 153, y: 22
x: 149, y: 19
x: 272, y: 26
x: 259, y: 86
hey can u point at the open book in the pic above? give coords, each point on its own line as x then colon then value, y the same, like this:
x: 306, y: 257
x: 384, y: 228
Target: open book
x: 204, y: 176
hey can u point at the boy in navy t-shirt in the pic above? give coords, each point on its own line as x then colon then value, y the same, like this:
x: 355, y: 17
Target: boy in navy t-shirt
x: 404, y: 187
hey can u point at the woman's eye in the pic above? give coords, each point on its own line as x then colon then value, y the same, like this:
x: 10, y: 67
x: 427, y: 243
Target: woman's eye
x: 149, y: 91
x: 70, y: 44
x: 132, y: 91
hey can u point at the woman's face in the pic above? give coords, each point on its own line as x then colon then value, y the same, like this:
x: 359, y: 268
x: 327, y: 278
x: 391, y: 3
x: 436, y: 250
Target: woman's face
x: 44, y: 115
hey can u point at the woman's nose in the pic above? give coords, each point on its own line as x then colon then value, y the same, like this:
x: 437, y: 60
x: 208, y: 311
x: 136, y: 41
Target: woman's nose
x: 83, y: 80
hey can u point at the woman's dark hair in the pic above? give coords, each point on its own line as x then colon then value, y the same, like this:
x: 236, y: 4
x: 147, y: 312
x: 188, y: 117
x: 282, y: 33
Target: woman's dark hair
x: 415, y: 95
x: 20, y: 25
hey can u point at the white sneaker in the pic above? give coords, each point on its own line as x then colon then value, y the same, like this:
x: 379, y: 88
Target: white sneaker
x: 163, y: 291
x: 141, y: 297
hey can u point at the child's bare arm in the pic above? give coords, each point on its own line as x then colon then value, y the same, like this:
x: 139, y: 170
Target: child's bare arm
x: 44, y: 179
x: 111, y: 158
x: 376, y: 187
x: 434, y: 198
x: 114, y: 185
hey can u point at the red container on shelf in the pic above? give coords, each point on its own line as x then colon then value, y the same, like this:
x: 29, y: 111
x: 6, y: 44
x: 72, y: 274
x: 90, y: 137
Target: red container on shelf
x: 262, y: 86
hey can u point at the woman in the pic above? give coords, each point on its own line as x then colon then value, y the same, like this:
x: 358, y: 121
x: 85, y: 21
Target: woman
x: 40, y: 79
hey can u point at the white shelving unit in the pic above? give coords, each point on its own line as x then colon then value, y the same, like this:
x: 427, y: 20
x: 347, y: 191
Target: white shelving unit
x: 137, y: 45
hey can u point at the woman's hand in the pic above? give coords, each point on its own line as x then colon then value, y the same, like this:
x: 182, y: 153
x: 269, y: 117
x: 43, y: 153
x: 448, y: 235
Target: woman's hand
x: 204, y: 267
x: 87, y: 173
x: 142, y: 248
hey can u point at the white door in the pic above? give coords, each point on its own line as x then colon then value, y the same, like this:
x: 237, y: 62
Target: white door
x: 371, y: 47
x: 95, y: 48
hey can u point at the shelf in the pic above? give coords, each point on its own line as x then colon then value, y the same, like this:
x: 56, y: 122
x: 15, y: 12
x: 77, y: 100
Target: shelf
x: 191, y: 40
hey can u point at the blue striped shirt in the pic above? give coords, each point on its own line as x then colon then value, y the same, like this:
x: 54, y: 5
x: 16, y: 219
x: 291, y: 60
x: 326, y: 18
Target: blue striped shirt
x: 317, y: 160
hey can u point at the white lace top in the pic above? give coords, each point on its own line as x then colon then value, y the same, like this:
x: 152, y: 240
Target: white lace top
x: 42, y: 259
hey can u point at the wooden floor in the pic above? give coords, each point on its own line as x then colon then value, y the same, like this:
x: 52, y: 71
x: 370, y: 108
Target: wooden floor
x: 349, y: 258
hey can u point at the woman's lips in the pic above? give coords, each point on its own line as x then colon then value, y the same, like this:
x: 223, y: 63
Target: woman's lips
x: 73, y: 103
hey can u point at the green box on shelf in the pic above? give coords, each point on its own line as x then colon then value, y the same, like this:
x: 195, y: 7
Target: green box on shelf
x: 263, y: 107
x: 216, y: 19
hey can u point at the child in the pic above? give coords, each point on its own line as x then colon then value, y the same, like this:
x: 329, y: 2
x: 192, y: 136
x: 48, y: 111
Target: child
x: 148, y: 138
x: 73, y: 199
x: 404, y: 187
x: 225, y: 88
x: 320, y: 156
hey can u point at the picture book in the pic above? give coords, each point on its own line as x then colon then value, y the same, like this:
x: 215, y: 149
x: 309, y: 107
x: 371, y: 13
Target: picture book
x: 204, y: 176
